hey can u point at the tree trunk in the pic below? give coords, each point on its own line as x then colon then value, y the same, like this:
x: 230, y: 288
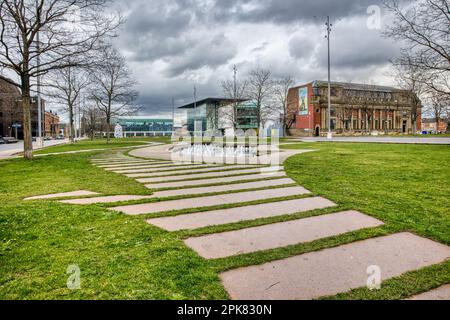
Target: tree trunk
x: 108, y: 120
x: 71, y: 124
x: 27, y: 134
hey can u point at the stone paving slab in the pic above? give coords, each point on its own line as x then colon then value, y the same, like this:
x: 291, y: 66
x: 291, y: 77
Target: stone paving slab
x: 106, y: 161
x: 276, y: 235
x: 202, y: 170
x: 189, y: 183
x: 228, y: 187
x: 134, y: 166
x: 441, y: 293
x: 209, y: 175
x: 77, y: 193
x: 333, y: 270
x: 106, y: 199
x: 150, y: 167
x: 175, y: 170
x: 232, y: 215
x: 210, y: 200
x: 127, y: 164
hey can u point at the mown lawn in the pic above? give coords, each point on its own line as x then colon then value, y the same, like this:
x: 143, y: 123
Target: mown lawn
x: 122, y: 257
x: 103, y: 144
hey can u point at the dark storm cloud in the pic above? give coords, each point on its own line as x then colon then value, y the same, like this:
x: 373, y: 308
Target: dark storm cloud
x: 169, y: 41
x: 288, y: 11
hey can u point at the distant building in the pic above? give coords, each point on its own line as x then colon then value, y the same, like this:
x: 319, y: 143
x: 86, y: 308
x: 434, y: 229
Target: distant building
x: 64, y: 129
x: 144, y: 126
x: 433, y: 126
x: 218, y: 114
x: 355, y: 109
x: 11, y: 112
x: 51, y: 125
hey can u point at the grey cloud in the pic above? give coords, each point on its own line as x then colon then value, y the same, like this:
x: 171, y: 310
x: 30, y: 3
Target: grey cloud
x: 211, y: 53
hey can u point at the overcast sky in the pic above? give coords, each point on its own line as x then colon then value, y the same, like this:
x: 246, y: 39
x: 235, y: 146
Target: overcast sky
x: 173, y: 44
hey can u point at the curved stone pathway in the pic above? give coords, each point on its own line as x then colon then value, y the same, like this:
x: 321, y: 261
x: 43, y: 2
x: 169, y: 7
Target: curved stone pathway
x: 306, y: 276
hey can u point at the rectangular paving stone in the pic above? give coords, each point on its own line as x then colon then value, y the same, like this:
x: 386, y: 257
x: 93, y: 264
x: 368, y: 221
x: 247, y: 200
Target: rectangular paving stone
x: 128, y: 164
x: 210, y: 200
x: 149, y: 167
x: 173, y: 169
x: 136, y: 166
x: 209, y: 175
x: 126, y: 160
x: 107, y: 199
x: 202, y: 170
x: 77, y: 193
x: 334, y: 270
x: 189, y: 183
x: 228, y: 187
x: 441, y: 293
x: 276, y: 235
x: 232, y: 215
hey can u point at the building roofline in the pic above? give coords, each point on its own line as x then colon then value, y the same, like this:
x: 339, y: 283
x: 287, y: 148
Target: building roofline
x: 352, y: 86
x: 210, y: 100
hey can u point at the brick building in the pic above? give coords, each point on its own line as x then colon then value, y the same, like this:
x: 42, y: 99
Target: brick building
x: 11, y: 114
x: 51, y: 125
x: 433, y: 126
x: 355, y: 109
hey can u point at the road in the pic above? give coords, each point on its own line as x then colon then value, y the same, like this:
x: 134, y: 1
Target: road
x: 8, y: 150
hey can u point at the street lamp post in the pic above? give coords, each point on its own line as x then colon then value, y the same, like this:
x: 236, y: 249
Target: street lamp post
x: 329, y: 134
x: 39, y: 139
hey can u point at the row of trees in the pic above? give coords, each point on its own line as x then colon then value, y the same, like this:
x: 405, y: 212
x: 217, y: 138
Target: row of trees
x: 67, y: 43
x: 102, y: 90
x: 424, y: 63
x: 268, y: 93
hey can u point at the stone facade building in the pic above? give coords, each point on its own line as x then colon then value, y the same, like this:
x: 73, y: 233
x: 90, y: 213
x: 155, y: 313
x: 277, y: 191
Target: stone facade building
x: 355, y: 109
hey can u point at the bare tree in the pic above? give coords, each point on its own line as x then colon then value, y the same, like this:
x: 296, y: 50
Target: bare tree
x: 424, y: 27
x: 410, y: 77
x: 236, y: 91
x: 92, y: 118
x: 113, y: 87
x: 260, y: 90
x: 281, y: 90
x: 56, y: 32
x: 438, y: 108
x: 65, y: 87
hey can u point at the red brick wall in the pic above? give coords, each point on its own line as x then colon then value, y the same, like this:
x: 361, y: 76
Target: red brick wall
x: 301, y: 121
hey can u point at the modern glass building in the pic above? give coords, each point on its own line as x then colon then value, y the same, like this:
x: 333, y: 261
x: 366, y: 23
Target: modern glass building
x: 145, y: 126
x: 217, y: 114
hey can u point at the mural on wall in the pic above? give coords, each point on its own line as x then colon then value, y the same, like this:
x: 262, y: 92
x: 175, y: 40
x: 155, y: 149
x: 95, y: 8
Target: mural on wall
x: 303, y: 101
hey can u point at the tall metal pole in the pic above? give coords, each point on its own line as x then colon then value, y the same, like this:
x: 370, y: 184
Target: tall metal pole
x: 38, y: 83
x: 329, y: 134
x: 173, y: 115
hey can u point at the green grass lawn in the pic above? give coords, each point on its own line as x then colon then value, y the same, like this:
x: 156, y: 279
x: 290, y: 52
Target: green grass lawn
x: 122, y: 257
x: 102, y: 144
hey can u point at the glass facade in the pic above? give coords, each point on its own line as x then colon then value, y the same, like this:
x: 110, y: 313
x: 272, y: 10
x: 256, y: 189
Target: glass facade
x: 207, y: 114
x: 145, y: 125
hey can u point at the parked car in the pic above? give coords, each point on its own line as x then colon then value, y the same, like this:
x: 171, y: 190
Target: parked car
x: 10, y: 140
x: 2, y: 141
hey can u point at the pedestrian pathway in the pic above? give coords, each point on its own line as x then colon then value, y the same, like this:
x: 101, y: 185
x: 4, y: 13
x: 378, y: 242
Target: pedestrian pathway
x: 306, y: 276
x: 330, y: 271
x: 210, y: 201
x: 276, y: 235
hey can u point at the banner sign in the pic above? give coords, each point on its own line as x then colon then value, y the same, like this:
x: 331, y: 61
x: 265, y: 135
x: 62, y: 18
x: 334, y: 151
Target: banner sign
x: 303, y: 101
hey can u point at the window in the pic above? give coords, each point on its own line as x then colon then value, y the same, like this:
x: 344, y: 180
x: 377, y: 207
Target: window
x: 333, y: 111
x: 333, y: 124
